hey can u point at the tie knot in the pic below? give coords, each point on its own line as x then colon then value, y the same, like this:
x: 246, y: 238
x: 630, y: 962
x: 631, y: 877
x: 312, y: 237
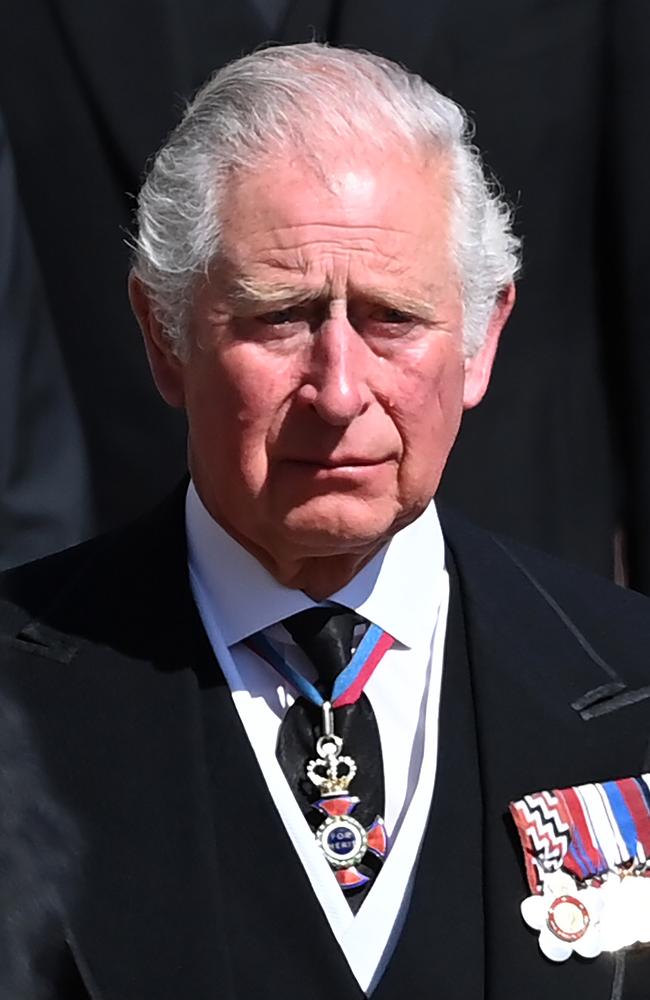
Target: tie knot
x: 325, y: 635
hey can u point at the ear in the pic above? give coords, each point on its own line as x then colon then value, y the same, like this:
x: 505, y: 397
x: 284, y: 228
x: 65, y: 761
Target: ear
x: 478, y: 368
x: 166, y: 368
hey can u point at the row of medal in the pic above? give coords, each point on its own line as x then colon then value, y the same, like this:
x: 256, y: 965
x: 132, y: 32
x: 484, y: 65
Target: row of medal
x: 586, y: 852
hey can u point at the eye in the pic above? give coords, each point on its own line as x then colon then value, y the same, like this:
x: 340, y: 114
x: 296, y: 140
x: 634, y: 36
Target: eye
x: 384, y: 314
x: 283, y: 317
x: 387, y: 323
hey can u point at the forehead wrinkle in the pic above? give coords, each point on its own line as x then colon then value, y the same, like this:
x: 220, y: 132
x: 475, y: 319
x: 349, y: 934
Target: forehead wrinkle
x: 271, y: 277
x: 297, y: 254
x: 346, y: 228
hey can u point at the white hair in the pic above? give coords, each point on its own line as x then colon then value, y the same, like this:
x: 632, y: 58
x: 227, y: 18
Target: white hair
x: 299, y: 97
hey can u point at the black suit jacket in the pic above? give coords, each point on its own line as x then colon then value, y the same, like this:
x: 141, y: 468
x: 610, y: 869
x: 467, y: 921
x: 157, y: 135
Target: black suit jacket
x: 187, y: 884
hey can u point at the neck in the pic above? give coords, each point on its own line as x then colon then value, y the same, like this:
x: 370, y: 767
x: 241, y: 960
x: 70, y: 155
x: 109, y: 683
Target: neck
x: 318, y: 576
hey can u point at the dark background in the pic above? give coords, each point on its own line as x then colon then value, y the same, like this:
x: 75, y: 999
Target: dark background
x: 559, y: 452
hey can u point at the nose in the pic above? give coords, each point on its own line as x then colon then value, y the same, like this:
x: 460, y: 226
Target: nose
x: 336, y: 385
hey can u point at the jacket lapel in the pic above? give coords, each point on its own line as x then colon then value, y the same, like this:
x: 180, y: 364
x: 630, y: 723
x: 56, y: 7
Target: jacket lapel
x: 149, y: 922
x: 528, y: 673
x: 445, y: 916
x: 277, y: 936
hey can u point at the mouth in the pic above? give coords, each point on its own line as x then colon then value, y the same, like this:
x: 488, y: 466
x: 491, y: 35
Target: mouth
x: 346, y: 471
x: 344, y: 462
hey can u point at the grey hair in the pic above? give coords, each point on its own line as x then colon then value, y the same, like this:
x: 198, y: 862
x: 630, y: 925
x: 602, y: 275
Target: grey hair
x: 298, y: 97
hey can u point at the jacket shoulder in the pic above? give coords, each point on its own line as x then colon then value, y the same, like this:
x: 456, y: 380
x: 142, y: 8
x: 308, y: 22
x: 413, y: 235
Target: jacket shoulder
x: 507, y: 580
x: 125, y: 594
x: 28, y: 590
x: 489, y: 552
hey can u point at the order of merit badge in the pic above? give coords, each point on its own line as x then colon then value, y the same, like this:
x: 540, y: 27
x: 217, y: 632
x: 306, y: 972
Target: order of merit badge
x: 586, y: 851
x: 353, y: 852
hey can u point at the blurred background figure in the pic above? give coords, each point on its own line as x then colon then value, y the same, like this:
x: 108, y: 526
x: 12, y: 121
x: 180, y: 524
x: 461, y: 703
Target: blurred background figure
x: 91, y: 90
x: 43, y: 482
x: 39, y: 852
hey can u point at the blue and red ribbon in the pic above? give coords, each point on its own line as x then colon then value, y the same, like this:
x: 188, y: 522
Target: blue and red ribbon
x: 349, y: 684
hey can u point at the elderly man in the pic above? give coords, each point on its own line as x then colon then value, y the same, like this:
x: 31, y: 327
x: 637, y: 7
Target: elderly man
x: 289, y: 709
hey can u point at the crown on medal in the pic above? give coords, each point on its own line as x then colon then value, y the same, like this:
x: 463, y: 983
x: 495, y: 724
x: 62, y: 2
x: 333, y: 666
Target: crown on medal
x: 325, y: 772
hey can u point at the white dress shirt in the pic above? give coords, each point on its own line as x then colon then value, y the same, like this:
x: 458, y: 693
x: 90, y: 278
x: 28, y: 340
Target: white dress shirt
x: 404, y: 590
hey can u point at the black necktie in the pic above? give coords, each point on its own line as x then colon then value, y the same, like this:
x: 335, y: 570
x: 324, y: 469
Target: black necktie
x: 325, y: 635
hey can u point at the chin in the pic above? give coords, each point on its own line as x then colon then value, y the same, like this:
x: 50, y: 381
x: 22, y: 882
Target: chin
x: 329, y: 525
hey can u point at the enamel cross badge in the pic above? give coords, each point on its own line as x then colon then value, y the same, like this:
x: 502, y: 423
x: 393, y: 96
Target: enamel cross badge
x: 586, y: 850
x: 342, y: 839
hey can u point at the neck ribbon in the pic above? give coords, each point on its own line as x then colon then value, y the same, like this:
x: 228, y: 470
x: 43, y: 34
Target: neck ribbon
x: 349, y: 684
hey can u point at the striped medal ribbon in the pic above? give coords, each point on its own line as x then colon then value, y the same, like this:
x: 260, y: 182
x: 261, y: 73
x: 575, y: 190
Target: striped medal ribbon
x: 343, y: 840
x: 587, y: 857
x: 350, y: 682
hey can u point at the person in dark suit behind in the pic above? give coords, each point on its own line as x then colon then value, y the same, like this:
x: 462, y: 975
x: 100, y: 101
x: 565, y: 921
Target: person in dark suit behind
x: 288, y: 709
x: 44, y: 502
x: 76, y: 86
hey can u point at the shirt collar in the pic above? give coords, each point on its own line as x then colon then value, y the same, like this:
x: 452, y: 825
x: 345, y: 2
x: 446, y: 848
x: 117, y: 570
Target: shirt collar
x: 399, y: 589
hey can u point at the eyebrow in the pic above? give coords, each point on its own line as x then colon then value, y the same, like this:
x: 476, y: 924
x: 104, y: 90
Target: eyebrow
x: 248, y: 295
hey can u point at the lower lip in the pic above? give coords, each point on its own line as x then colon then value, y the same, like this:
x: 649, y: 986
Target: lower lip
x: 338, y: 471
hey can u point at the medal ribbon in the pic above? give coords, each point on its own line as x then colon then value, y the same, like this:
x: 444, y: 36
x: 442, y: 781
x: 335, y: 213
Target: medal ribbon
x: 584, y: 857
x: 350, y: 682
x: 594, y: 828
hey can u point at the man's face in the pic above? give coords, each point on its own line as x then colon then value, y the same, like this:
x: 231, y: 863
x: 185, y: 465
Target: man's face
x: 325, y: 378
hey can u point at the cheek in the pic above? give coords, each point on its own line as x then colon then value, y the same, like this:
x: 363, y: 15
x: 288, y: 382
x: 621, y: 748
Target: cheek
x: 237, y: 400
x: 427, y: 386
x: 427, y: 410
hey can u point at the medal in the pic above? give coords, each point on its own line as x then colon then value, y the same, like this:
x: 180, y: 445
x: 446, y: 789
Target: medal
x: 342, y: 839
x: 345, y: 843
x: 586, y: 853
